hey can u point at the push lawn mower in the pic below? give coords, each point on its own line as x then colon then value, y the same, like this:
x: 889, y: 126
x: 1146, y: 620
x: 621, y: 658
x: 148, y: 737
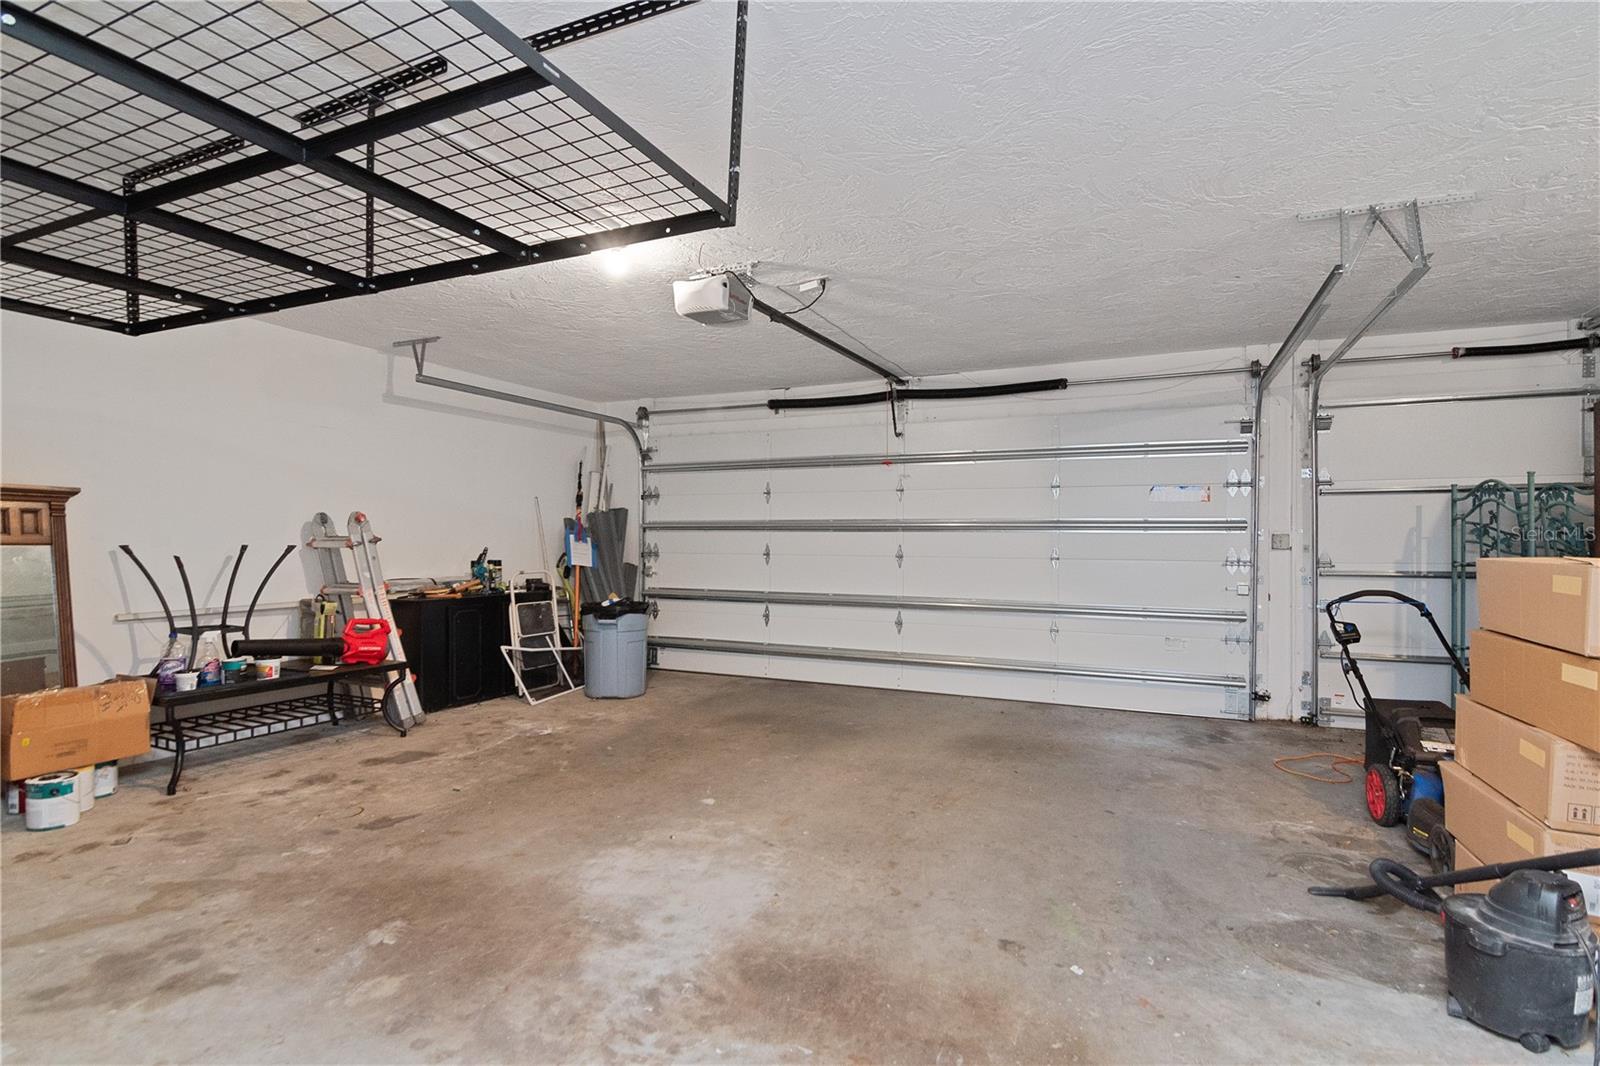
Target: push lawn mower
x: 1405, y: 738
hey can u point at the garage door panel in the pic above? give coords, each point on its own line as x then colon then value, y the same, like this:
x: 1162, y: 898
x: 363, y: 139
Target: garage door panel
x: 1187, y: 569
x: 685, y: 564
x: 684, y: 497
x: 976, y: 634
x: 836, y: 502
x: 1419, y: 681
x: 849, y: 480
x: 991, y: 503
x: 712, y: 621
x: 982, y: 684
x: 1359, y: 446
x: 869, y: 630
x: 1409, y: 532
x: 867, y: 675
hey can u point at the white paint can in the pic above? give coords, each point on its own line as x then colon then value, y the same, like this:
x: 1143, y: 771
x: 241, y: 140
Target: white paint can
x: 52, y: 800
x: 85, y: 788
x: 105, y: 779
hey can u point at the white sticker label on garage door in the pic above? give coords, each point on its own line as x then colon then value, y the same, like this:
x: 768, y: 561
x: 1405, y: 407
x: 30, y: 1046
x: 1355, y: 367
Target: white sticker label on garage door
x: 1180, y: 493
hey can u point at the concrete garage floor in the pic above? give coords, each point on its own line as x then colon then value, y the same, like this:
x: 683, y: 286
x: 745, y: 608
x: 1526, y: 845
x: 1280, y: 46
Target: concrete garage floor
x: 728, y: 870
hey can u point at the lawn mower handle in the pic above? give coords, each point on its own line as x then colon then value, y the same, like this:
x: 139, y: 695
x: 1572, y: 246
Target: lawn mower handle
x: 1422, y: 609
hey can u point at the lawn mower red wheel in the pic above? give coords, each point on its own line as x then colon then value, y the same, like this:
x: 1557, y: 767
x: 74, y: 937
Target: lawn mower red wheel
x: 1383, y: 794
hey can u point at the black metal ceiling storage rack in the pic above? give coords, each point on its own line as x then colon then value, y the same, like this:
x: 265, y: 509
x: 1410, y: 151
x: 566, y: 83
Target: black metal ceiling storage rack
x: 164, y: 164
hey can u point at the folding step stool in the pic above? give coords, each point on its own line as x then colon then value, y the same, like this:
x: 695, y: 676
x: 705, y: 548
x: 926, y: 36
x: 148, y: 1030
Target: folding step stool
x: 535, y: 630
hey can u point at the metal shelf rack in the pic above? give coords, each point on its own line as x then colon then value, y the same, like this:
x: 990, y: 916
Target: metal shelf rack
x: 171, y: 164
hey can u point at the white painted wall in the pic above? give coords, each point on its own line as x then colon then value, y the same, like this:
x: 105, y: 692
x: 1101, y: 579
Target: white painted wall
x: 197, y: 441
x: 1462, y: 442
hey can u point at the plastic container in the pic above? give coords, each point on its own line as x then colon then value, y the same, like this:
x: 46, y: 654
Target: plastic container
x: 209, y: 663
x: 174, y: 660
x: 614, y: 655
x: 233, y: 670
x: 52, y: 801
x: 105, y: 779
x: 267, y: 669
x: 186, y: 680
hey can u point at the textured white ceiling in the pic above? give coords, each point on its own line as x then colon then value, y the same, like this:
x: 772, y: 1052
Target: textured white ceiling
x: 995, y: 185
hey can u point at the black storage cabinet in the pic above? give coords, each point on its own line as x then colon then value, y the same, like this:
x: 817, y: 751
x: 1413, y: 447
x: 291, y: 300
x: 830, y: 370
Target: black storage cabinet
x: 453, y: 645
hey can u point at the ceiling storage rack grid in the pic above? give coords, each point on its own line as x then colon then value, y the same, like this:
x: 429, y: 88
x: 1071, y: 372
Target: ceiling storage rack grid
x: 167, y: 164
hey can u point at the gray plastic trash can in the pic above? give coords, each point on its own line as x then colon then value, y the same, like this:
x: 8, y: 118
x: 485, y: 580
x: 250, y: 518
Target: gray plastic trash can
x: 614, y: 656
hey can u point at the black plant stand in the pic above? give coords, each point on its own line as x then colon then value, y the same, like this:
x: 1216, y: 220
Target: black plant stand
x: 286, y: 703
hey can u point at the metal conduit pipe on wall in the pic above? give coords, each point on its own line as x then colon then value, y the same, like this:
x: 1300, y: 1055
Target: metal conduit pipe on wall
x: 806, y: 651
x: 934, y: 603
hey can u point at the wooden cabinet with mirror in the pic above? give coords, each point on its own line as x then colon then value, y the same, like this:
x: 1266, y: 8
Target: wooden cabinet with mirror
x: 36, y: 648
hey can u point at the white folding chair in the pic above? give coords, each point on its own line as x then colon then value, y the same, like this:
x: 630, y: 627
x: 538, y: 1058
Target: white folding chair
x: 535, y: 630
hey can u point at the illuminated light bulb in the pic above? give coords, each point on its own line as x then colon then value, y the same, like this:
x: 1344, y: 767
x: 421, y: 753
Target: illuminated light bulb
x: 615, y: 262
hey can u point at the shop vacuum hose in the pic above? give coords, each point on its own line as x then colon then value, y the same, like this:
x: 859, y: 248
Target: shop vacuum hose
x: 1391, y: 878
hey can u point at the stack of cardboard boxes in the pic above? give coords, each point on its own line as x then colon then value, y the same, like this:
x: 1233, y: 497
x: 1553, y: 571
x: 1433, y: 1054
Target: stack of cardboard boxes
x: 1526, y: 777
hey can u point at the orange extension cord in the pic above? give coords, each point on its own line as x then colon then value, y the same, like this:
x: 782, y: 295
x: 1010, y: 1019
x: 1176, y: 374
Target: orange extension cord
x: 1335, y: 761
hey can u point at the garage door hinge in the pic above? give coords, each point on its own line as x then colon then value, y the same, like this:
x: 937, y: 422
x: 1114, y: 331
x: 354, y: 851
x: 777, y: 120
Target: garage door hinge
x: 900, y: 488
x: 650, y: 551
x: 766, y: 554
x: 1055, y: 486
x: 1055, y: 630
x: 651, y: 494
x: 767, y: 492
x: 766, y: 615
x: 899, y: 622
x: 655, y: 608
x: 900, y: 556
x: 1055, y: 558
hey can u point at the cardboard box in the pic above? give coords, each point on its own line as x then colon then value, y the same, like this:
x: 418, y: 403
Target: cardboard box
x: 1558, y: 691
x: 1552, y: 779
x: 1491, y: 828
x: 1548, y: 601
x: 62, y: 729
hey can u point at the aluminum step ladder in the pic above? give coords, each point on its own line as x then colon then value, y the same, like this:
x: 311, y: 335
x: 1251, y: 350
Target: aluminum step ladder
x: 362, y: 544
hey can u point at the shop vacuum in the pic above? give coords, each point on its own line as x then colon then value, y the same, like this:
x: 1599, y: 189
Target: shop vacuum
x: 1520, y: 960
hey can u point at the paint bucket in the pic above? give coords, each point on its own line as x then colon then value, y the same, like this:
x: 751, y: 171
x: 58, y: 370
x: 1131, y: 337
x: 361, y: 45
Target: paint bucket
x: 233, y: 670
x: 52, y: 801
x: 187, y: 680
x: 85, y: 788
x: 268, y: 669
x: 105, y: 779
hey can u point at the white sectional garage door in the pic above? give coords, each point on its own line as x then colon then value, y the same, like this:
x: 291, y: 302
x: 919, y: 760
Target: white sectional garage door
x: 1091, y: 552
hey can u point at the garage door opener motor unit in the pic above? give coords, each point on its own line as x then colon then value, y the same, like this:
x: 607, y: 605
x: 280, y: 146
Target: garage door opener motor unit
x: 1405, y: 738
